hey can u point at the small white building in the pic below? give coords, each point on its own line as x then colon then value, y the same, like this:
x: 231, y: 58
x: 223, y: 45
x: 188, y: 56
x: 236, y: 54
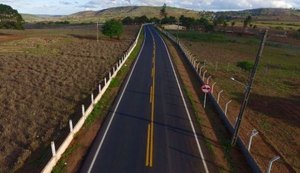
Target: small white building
x: 173, y: 27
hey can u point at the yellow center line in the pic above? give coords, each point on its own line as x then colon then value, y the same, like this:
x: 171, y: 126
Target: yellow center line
x: 148, y: 143
x: 150, y: 135
x: 151, y: 90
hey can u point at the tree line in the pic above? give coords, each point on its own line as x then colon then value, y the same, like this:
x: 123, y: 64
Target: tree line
x: 10, y: 18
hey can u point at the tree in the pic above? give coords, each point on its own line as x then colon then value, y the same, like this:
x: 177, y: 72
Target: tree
x: 112, y: 28
x: 154, y: 20
x: 10, y: 18
x: 163, y: 11
x: 127, y: 21
x: 169, y: 20
x: 232, y: 25
x: 247, y: 21
x: 219, y: 20
x: 141, y: 19
x: 187, y: 21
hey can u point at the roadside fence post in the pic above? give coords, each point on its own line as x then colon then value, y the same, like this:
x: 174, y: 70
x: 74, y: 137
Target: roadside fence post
x: 271, y: 163
x: 212, y: 88
x: 71, y: 126
x: 219, y: 94
x: 207, y: 81
x: 53, y: 149
x: 226, y: 107
x: 253, y: 133
x: 82, y: 109
x: 204, y: 75
x: 201, y: 69
x: 92, y: 99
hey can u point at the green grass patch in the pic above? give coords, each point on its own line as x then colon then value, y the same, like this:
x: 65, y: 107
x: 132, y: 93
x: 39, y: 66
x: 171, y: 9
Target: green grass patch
x: 62, y: 163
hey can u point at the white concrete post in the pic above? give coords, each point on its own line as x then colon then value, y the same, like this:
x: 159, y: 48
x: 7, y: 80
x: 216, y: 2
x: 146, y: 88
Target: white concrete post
x: 207, y: 81
x: 271, y: 163
x: 83, y: 109
x: 105, y: 80
x: 92, y: 99
x: 197, y: 69
x: 201, y: 69
x: 226, y: 107
x: 71, y: 126
x: 219, y: 94
x: 253, y: 133
x: 212, y: 88
x: 53, y: 149
x: 203, y: 77
x: 109, y: 75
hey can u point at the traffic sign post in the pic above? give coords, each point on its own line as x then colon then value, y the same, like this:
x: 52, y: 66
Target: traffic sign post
x: 206, y: 89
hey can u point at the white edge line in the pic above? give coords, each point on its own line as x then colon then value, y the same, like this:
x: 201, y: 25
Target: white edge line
x: 117, y: 106
x: 187, y: 111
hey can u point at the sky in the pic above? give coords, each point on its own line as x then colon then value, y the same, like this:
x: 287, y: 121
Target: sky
x: 64, y: 7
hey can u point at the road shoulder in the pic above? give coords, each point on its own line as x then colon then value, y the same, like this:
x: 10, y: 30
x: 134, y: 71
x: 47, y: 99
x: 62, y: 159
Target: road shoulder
x: 214, y: 139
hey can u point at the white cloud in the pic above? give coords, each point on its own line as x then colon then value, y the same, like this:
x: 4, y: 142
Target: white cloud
x: 71, y: 6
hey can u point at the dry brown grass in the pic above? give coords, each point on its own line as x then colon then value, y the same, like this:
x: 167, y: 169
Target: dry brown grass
x: 43, y: 80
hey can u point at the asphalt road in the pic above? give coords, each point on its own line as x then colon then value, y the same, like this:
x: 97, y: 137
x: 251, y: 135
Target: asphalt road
x: 149, y: 128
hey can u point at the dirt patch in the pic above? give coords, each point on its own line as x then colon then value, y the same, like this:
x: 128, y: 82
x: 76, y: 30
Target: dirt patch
x: 222, y: 158
x: 43, y: 86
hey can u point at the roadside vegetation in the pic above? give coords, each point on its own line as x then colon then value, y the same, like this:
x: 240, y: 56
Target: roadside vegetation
x: 10, y: 18
x: 273, y: 107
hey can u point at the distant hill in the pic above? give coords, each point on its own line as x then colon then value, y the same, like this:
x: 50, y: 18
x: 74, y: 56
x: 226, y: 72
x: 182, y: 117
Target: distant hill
x: 132, y: 11
x: 10, y: 18
x: 264, y: 14
x: 30, y: 18
x: 267, y: 14
x: 117, y: 12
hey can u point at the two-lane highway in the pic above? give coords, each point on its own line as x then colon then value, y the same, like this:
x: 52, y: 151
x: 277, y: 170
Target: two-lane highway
x: 149, y: 128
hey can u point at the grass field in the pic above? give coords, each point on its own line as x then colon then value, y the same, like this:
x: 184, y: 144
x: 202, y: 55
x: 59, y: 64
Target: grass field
x: 45, y: 75
x: 273, y: 107
x: 282, y: 25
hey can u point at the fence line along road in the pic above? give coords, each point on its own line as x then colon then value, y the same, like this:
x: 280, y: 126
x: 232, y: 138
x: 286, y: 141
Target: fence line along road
x: 56, y: 154
x: 189, y: 57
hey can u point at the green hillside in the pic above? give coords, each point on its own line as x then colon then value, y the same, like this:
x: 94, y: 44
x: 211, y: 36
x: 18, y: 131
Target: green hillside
x: 267, y: 14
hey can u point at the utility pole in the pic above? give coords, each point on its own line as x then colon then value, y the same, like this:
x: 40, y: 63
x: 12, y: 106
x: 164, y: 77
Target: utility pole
x: 248, y: 90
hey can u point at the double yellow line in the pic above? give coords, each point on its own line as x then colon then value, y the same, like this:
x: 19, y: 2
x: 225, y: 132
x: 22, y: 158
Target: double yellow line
x: 150, y: 131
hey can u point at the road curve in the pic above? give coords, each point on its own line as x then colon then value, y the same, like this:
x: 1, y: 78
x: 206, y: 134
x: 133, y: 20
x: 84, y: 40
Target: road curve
x: 149, y: 129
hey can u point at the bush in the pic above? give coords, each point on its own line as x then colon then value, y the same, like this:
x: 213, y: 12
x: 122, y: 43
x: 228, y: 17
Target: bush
x: 245, y: 65
x: 10, y: 18
x: 112, y: 28
x: 127, y: 21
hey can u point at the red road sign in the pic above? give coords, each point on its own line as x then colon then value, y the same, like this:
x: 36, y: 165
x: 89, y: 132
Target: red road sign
x: 205, y: 88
